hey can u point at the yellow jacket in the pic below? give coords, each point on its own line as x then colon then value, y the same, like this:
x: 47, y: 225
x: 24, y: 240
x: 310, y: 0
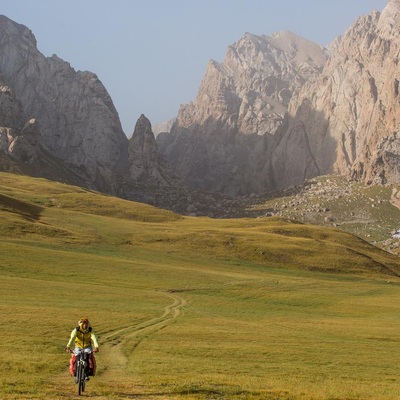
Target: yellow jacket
x: 82, y: 339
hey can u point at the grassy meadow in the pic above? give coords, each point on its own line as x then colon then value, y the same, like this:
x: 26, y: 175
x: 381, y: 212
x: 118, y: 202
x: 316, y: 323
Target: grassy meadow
x: 190, y: 308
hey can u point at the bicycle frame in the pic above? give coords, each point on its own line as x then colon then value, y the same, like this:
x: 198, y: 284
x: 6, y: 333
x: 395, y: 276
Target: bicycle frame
x: 81, y: 367
x: 82, y: 355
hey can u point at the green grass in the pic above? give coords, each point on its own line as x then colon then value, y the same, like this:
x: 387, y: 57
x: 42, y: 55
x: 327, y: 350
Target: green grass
x: 190, y: 308
x: 362, y: 210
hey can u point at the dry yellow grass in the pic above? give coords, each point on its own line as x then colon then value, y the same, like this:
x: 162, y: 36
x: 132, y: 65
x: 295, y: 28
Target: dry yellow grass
x: 190, y: 308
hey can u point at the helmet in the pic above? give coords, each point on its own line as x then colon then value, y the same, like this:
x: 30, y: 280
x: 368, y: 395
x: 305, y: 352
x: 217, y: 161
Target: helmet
x: 83, y: 321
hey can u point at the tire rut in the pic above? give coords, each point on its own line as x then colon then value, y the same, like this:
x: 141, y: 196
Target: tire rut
x: 114, y: 341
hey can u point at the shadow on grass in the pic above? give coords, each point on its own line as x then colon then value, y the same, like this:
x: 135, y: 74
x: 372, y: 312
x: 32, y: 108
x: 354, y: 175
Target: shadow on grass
x: 26, y: 210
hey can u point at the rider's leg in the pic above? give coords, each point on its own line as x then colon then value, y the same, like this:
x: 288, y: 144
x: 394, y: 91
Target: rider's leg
x: 72, y: 361
x: 93, y: 364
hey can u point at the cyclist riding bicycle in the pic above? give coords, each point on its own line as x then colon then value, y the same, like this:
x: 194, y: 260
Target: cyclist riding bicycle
x: 83, y: 337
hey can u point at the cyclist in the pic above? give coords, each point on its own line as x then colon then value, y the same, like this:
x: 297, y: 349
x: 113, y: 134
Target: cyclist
x: 83, y: 337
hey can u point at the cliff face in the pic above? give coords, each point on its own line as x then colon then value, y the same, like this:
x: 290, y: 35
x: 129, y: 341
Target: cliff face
x: 19, y: 137
x: 222, y: 140
x: 77, y: 119
x: 347, y: 122
x: 279, y: 111
x: 146, y: 164
x: 61, y: 123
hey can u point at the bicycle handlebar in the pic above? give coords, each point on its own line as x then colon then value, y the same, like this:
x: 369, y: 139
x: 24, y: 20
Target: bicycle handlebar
x: 79, y: 351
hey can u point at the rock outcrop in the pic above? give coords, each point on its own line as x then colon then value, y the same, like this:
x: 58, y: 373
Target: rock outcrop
x: 277, y: 111
x: 146, y: 164
x: 60, y: 123
x: 18, y: 140
x: 221, y: 141
x: 347, y: 122
x: 163, y: 127
x: 78, y: 121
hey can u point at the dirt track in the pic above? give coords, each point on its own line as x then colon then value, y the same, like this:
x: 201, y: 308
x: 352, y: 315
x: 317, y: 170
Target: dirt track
x: 106, y: 384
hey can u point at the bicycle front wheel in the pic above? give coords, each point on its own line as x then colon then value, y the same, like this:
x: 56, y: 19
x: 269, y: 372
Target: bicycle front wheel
x: 80, y: 374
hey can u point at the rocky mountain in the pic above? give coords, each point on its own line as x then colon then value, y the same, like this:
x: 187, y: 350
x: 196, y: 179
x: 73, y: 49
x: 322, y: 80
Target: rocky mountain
x: 19, y: 135
x: 76, y: 117
x: 163, y: 126
x: 146, y: 164
x: 347, y: 121
x: 60, y: 123
x: 280, y: 110
x: 222, y: 140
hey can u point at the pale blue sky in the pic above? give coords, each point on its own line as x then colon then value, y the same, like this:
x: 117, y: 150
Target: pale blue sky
x: 151, y: 55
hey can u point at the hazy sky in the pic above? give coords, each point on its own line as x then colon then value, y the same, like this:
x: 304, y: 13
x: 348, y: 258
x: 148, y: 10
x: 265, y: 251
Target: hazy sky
x: 151, y: 55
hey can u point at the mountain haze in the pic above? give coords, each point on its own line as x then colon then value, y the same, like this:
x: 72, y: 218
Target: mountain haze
x: 280, y: 110
x: 226, y: 135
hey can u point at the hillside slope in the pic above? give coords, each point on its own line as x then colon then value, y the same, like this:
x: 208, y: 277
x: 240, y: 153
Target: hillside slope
x: 189, y: 308
x: 59, y: 214
x: 370, y: 212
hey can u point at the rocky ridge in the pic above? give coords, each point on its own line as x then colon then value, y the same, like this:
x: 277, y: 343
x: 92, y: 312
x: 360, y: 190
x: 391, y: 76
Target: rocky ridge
x: 77, y: 118
x: 146, y: 164
x: 61, y: 124
x: 222, y: 140
x: 342, y: 111
x: 277, y: 111
x: 347, y: 121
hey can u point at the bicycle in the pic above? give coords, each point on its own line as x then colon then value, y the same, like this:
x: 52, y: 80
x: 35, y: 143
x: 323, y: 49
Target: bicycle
x: 81, y: 368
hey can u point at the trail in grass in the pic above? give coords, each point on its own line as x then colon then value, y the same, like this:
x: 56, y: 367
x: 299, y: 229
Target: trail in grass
x: 122, y: 341
x: 116, y: 346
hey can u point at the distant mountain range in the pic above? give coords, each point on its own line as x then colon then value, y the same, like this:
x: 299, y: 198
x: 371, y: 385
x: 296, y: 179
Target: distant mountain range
x: 277, y: 111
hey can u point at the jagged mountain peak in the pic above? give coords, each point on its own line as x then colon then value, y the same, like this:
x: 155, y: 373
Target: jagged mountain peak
x: 60, y: 123
x: 217, y: 141
x: 389, y: 20
x: 147, y: 165
x: 347, y: 121
x: 74, y: 111
x: 143, y: 123
x: 142, y: 133
x: 278, y: 109
x: 255, y: 81
x: 283, y: 45
x: 342, y: 108
x: 14, y: 30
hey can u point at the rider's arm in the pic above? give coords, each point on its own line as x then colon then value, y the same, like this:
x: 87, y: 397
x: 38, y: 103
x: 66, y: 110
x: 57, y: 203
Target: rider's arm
x: 94, y: 340
x: 71, y: 342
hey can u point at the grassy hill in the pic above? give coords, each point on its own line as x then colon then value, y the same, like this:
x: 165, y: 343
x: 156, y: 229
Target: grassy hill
x: 371, y: 212
x: 190, y: 308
